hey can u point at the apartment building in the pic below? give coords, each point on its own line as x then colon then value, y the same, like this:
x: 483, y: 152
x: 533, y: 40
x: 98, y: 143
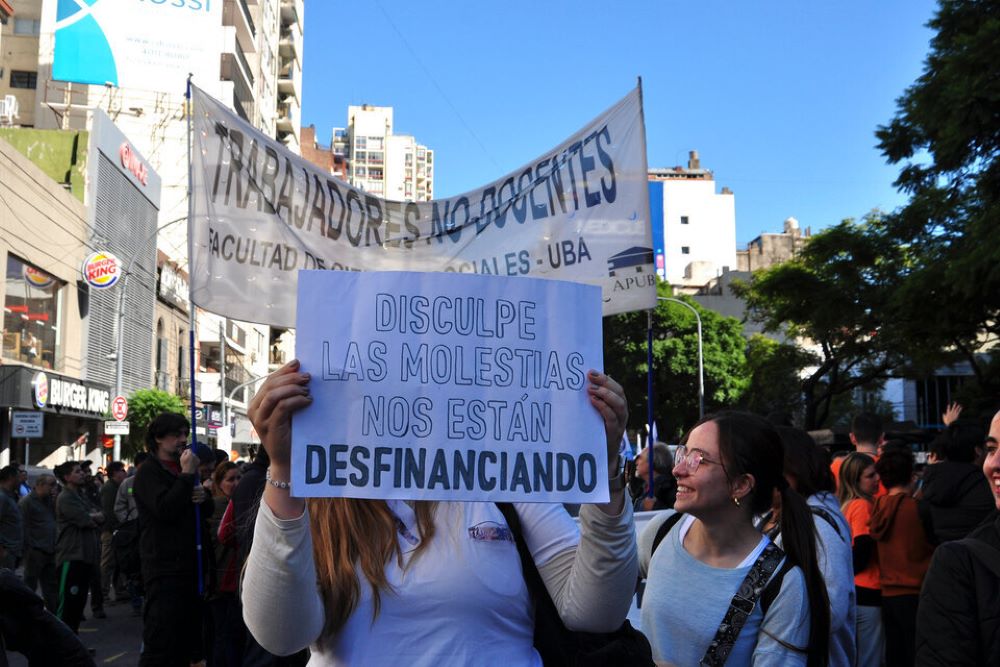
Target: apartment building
x: 386, y: 164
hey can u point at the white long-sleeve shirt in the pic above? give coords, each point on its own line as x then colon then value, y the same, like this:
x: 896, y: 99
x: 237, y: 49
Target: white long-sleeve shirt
x: 463, y: 601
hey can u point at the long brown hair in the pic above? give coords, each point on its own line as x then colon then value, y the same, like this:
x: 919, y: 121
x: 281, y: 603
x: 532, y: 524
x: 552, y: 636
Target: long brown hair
x: 349, y: 533
x: 850, y: 477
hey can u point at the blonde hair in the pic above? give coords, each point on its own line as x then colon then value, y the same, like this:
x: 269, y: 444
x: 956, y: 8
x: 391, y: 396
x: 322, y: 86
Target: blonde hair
x: 348, y: 533
x: 849, y: 487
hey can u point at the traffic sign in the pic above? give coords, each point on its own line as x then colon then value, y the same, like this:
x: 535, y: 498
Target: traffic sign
x: 119, y: 408
x: 26, y: 424
x: 116, y: 428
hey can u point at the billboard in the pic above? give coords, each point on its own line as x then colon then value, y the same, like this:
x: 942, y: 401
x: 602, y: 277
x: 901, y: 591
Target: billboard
x: 138, y: 44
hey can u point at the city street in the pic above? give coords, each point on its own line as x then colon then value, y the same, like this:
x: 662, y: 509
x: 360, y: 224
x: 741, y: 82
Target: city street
x: 116, y: 638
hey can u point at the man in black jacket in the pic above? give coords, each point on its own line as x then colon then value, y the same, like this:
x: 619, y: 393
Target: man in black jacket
x: 954, y: 490
x: 167, y: 492
x: 958, y: 621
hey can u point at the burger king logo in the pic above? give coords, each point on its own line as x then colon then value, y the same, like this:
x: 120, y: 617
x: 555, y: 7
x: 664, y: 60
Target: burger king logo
x: 101, y: 270
x: 36, y: 278
x: 40, y: 389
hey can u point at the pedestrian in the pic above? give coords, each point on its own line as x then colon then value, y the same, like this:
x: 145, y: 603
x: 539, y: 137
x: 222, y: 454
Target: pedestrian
x: 23, y: 488
x: 226, y: 618
x: 167, y: 493
x: 108, y: 495
x: 807, y: 470
x: 77, y: 547
x: 954, y: 489
x: 126, y: 537
x: 868, y: 437
x: 710, y: 572
x: 11, y: 525
x: 91, y: 492
x: 958, y: 619
x: 664, y: 484
x: 859, y: 483
x: 904, y: 554
x: 38, y: 509
x: 377, y: 582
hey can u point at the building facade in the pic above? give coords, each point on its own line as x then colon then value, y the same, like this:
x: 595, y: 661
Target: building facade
x: 388, y: 165
x: 694, y: 227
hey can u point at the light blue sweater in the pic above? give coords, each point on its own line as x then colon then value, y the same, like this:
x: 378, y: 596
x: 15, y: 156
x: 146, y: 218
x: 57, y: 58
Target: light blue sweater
x: 685, y: 600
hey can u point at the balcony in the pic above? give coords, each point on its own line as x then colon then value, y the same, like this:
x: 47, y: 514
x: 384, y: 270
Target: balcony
x: 288, y: 115
x: 290, y: 42
x: 290, y: 78
x: 236, y: 13
x: 291, y: 12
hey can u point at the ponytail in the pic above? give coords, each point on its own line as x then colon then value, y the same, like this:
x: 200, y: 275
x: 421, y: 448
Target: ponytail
x: 798, y: 534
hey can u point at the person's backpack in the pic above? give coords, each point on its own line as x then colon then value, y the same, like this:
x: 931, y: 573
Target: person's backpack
x: 561, y: 647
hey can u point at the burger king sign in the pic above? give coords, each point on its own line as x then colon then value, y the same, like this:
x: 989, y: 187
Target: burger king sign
x: 101, y: 270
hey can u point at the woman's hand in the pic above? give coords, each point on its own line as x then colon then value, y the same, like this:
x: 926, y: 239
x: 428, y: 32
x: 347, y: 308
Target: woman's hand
x: 284, y: 392
x: 609, y: 398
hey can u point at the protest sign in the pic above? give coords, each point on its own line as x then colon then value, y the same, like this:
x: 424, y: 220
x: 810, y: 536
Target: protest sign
x: 438, y: 386
x: 580, y: 212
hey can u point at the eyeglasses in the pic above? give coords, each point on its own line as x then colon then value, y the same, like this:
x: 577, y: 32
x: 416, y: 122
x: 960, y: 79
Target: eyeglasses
x: 690, y: 459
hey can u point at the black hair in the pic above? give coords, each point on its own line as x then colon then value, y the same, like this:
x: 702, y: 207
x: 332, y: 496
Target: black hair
x: 895, y: 468
x: 867, y: 428
x: 115, y: 466
x: 804, y: 462
x: 220, y: 455
x: 959, y: 441
x: 749, y: 445
x: 140, y: 458
x: 64, y: 469
x: 166, y: 423
x: 9, y: 472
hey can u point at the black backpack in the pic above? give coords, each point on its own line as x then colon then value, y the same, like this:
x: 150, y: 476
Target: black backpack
x: 561, y: 647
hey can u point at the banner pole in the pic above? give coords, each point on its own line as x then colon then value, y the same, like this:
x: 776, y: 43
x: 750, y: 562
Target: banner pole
x: 649, y: 400
x: 189, y: 104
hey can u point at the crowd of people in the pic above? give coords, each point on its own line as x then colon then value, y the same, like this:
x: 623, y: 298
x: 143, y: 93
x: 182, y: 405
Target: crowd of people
x: 760, y: 550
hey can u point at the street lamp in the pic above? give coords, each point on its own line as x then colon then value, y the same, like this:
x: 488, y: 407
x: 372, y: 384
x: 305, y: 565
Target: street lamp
x: 701, y: 365
x: 120, y: 343
x: 233, y: 391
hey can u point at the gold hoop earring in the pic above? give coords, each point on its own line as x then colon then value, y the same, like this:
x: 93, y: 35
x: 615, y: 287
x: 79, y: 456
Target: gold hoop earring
x: 737, y: 501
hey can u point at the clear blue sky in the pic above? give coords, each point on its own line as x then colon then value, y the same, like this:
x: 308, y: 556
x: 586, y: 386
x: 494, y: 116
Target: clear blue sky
x: 780, y: 98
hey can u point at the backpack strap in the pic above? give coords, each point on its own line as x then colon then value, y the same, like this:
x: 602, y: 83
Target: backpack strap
x: 774, y: 586
x: 826, y: 516
x: 742, y: 605
x: 665, y: 528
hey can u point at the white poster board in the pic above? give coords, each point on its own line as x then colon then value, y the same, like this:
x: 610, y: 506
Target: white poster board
x: 443, y: 386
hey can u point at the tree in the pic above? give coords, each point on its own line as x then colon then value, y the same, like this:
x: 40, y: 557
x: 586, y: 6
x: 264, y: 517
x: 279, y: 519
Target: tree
x: 675, y: 362
x: 143, y: 406
x: 774, y: 370
x: 833, y: 296
x: 946, y: 138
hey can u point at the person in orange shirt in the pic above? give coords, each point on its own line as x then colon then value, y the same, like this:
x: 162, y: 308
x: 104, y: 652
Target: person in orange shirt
x: 868, y: 437
x: 904, y: 554
x: 858, y: 485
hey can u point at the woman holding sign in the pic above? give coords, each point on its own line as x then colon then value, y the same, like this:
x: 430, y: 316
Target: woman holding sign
x: 368, y: 582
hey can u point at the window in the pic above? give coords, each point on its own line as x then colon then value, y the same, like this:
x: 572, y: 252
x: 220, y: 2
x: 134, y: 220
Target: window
x: 21, y: 79
x: 31, y: 321
x: 26, y: 26
x: 359, y: 142
x: 375, y: 143
x: 684, y: 220
x: 360, y: 156
x: 685, y: 250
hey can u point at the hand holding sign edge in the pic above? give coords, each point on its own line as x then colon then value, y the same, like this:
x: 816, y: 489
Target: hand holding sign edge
x: 608, y: 398
x: 283, y: 392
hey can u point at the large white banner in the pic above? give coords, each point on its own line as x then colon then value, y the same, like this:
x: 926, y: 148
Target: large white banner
x: 438, y: 386
x: 138, y: 44
x: 580, y: 212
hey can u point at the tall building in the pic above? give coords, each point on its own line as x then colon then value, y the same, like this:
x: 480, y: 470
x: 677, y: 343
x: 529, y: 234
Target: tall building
x: 258, y: 46
x: 388, y: 165
x: 694, y: 227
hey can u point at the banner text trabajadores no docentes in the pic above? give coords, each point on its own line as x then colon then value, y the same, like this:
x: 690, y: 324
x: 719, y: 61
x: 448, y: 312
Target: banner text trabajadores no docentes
x: 580, y: 212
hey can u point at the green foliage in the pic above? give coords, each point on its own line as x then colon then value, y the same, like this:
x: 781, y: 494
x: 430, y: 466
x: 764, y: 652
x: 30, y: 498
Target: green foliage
x: 946, y: 138
x: 675, y: 362
x: 834, y: 294
x: 774, y: 370
x: 143, y: 406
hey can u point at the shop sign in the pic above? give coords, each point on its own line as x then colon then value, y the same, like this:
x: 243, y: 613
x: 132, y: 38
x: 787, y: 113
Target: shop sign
x: 133, y: 162
x: 26, y: 424
x: 116, y: 428
x: 60, y: 393
x: 214, y: 416
x: 173, y: 287
x: 101, y: 270
x: 37, y: 278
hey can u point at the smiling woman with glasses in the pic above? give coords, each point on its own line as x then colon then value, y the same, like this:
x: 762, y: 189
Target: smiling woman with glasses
x: 717, y: 590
